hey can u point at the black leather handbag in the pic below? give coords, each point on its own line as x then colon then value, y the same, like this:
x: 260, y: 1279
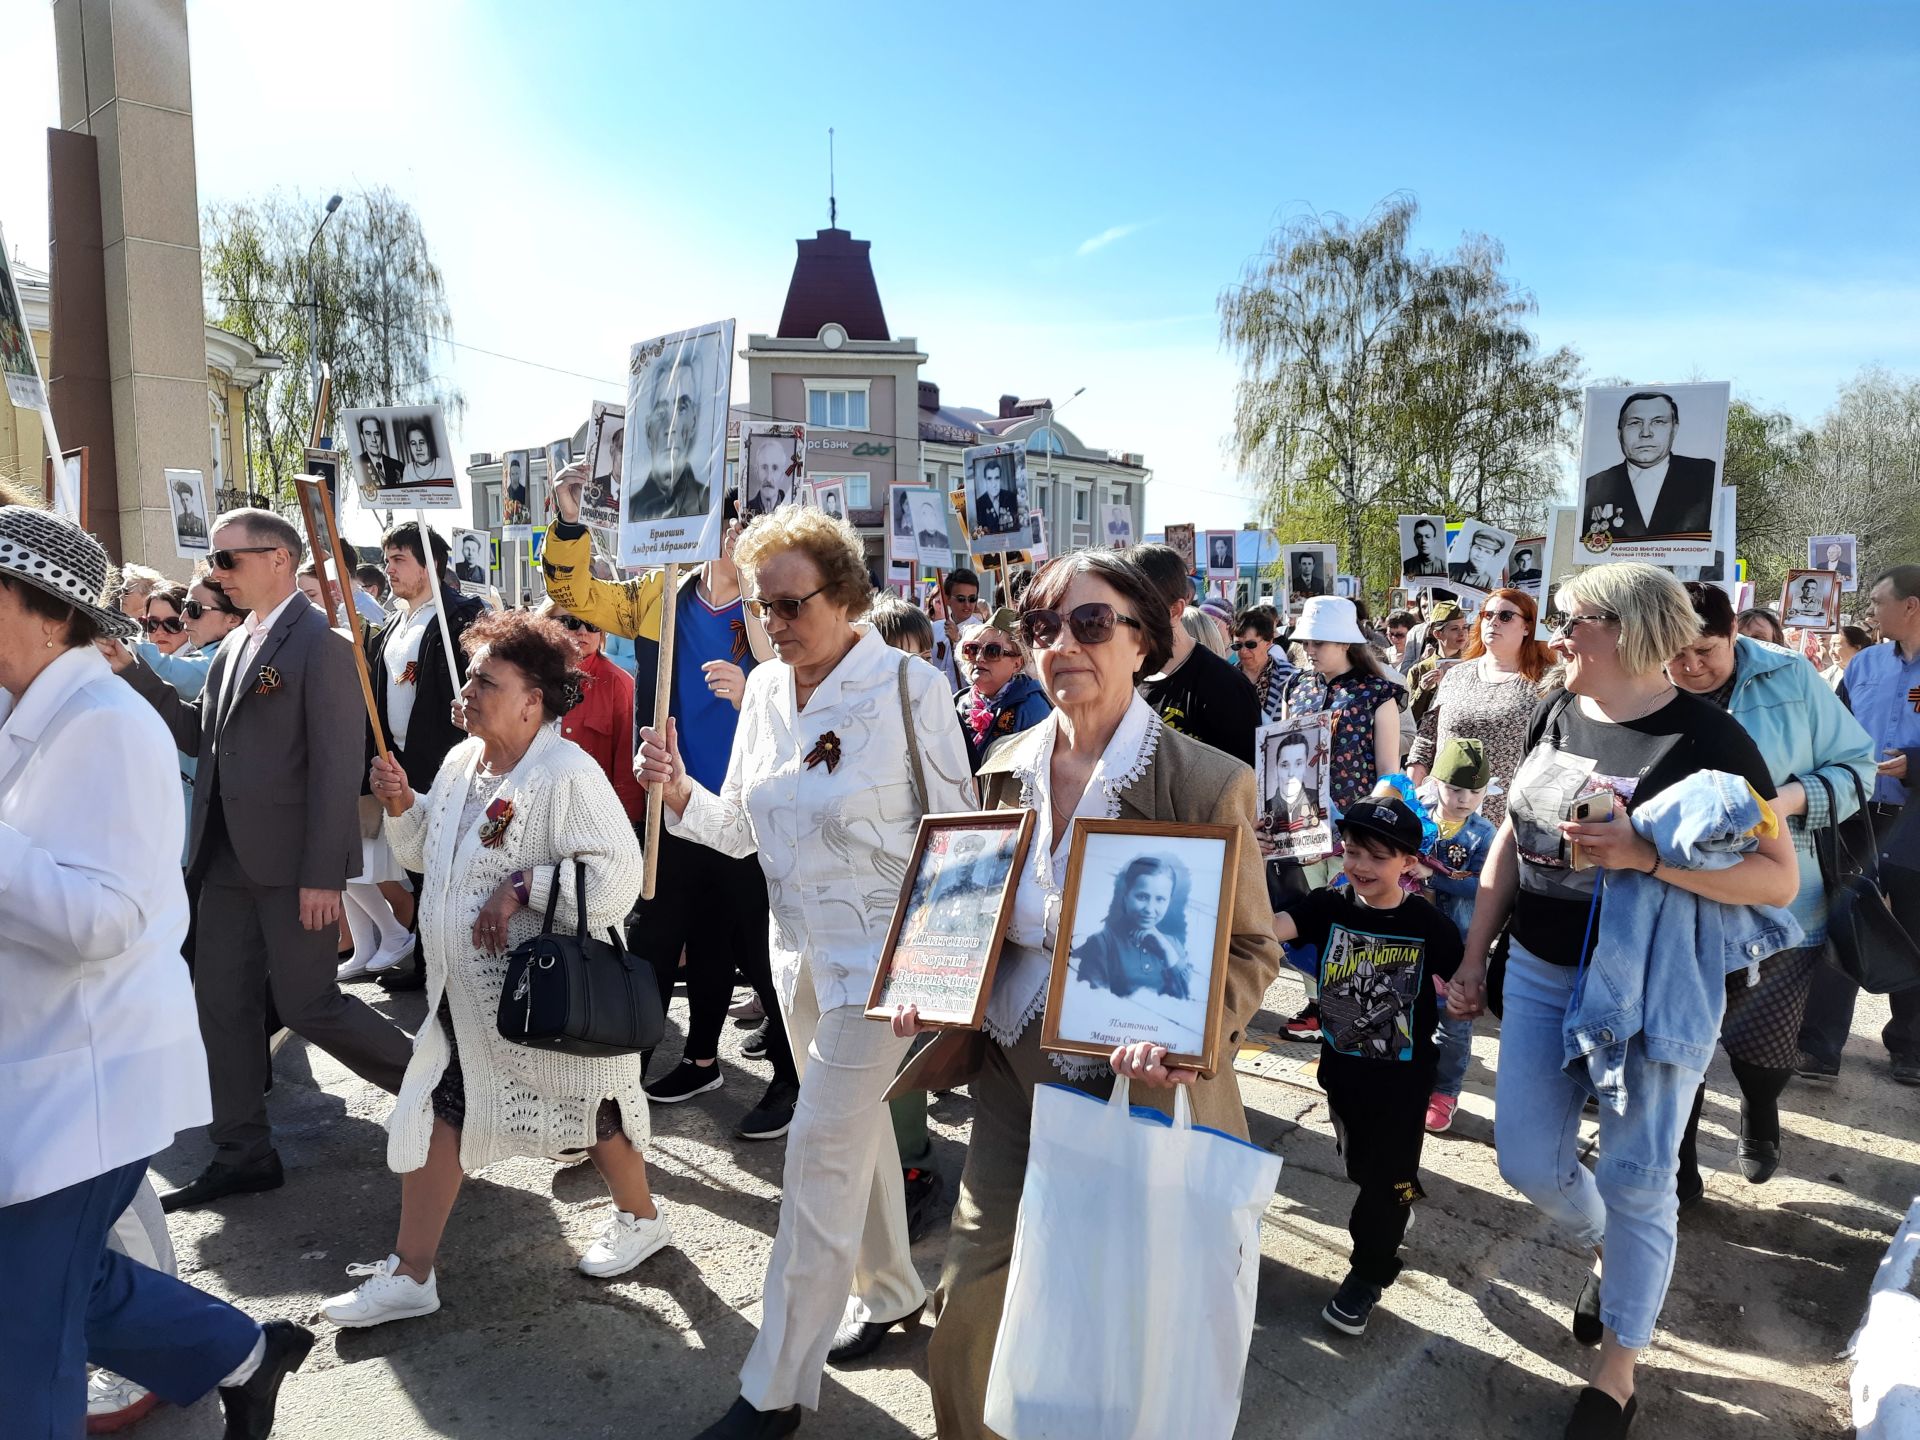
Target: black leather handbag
x: 578, y: 994
x: 1869, y: 944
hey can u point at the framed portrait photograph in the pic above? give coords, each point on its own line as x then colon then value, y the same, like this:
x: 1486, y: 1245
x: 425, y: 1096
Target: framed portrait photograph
x: 1142, y: 953
x: 674, y: 465
x: 1181, y: 538
x: 187, y: 499
x: 471, y: 559
x: 1117, y: 525
x: 1222, y: 563
x: 1290, y: 777
x: 774, y: 466
x: 401, y: 457
x: 901, y: 547
x: 516, y: 495
x: 1650, y: 457
x: 952, y: 916
x: 606, y: 450
x: 1477, y: 561
x: 931, y: 541
x: 830, y: 494
x: 1309, y: 570
x: 1837, y: 553
x: 996, y: 486
x: 1810, y: 600
x: 1526, y: 564
x: 1423, y: 550
x: 325, y: 465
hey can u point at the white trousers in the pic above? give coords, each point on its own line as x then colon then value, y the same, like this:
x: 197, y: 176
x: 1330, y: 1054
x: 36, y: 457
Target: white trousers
x: 843, y: 1209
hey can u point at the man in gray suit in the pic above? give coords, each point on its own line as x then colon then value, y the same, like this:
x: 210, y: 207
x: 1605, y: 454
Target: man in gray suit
x: 279, y: 732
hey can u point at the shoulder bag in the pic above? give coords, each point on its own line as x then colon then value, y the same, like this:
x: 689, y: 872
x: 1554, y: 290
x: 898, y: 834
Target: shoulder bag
x: 1869, y: 944
x: 578, y: 994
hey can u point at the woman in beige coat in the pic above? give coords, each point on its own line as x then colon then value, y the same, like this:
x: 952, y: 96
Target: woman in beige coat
x: 1094, y: 624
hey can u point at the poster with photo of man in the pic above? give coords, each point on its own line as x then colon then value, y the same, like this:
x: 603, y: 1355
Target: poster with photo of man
x: 830, y: 494
x: 1423, y: 550
x: 187, y: 498
x: 931, y: 540
x: 1650, y: 457
x: 1291, y: 779
x: 901, y: 546
x: 472, y: 556
x: 402, y: 458
x: 775, y: 466
x: 1037, y: 538
x: 996, y: 485
x: 1836, y: 553
x: 1525, y: 564
x: 675, y: 471
x: 1309, y: 571
x: 606, y: 449
x: 516, y: 491
x: 1222, y: 563
x: 1477, y: 563
x: 1181, y: 539
x: 1117, y: 522
x: 1810, y: 600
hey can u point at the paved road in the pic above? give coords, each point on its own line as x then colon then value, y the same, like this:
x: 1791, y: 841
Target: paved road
x: 1472, y: 1341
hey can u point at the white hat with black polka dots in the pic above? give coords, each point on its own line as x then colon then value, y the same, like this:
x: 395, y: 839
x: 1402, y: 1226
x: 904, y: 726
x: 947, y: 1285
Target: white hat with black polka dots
x: 57, y: 556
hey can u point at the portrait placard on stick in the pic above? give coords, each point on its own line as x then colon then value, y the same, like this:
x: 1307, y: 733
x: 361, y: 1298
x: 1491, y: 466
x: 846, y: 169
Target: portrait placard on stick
x: 1526, y: 564
x: 1309, y: 570
x: 1222, y: 558
x: 830, y: 494
x: 930, y: 536
x: 1291, y: 779
x: 187, y: 499
x: 470, y: 553
x: 1423, y: 551
x: 1477, y: 563
x: 901, y: 549
x: 402, y: 457
x: 1181, y: 538
x: 674, y: 475
x: 951, y: 919
x: 606, y: 447
x: 1836, y: 553
x: 1810, y: 600
x: 1117, y: 523
x: 1037, y: 537
x: 1651, y: 456
x: 996, y: 495
x: 516, y: 492
x: 773, y: 466
x: 1145, y: 918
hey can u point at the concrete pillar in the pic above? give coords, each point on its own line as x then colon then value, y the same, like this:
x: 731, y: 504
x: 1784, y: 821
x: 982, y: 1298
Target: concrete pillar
x: 125, y: 80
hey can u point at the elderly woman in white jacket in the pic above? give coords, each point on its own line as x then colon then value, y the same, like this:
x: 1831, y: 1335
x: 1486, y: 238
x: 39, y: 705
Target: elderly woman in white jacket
x: 843, y: 744
x: 100, y: 1054
x: 510, y: 811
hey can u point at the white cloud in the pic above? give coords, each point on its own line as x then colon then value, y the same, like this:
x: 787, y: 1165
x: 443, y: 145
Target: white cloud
x: 1109, y: 236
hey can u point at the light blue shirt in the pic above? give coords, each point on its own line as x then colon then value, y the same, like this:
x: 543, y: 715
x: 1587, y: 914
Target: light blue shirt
x: 1877, y: 688
x: 185, y: 670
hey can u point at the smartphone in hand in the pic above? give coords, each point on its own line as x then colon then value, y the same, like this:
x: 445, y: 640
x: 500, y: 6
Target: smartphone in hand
x: 1594, y: 808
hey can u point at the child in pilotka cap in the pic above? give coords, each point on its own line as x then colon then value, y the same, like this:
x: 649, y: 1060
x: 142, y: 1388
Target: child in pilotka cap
x: 1455, y: 789
x: 1380, y: 950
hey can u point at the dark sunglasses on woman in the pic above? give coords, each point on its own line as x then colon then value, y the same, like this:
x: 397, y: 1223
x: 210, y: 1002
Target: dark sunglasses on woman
x: 1501, y: 617
x: 991, y: 650
x: 193, y: 610
x: 1246, y: 644
x: 576, y: 624
x: 173, y: 624
x: 1091, y: 624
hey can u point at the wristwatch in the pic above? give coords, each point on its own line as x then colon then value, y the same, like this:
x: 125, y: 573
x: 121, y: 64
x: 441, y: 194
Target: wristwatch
x: 522, y: 891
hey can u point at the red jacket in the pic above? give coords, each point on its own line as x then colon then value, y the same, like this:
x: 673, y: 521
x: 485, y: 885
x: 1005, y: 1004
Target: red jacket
x: 602, y: 725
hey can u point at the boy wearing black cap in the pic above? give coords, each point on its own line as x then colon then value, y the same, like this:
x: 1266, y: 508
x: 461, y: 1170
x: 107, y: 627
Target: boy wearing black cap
x: 1381, y: 950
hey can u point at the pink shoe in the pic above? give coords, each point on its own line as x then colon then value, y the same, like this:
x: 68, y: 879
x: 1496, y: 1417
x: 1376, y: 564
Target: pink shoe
x: 1440, y: 1113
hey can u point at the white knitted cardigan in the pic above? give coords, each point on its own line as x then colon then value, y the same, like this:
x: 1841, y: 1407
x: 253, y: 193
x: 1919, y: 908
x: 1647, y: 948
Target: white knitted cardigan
x: 519, y: 1101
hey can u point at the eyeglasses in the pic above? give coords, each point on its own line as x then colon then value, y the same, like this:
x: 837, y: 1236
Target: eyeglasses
x: 223, y: 559
x: 1092, y: 624
x: 973, y: 599
x: 172, y: 625
x: 990, y: 650
x: 1572, y: 623
x: 1247, y: 644
x: 575, y: 623
x: 1500, y: 617
x: 786, y: 607
x: 194, y: 609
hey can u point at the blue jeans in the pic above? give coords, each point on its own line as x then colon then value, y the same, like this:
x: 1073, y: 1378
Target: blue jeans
x: 1456, y: 1052
x: 1627, y: 1202
x: 71, y: 1300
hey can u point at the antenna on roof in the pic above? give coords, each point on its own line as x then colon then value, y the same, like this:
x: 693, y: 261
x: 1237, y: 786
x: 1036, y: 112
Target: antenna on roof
x: 833, y: 205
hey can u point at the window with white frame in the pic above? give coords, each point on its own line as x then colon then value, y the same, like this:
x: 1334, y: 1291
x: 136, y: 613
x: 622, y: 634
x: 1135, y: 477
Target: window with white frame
x: 1119, y: 495
x: 1082, y: 504
x: 837, y: 404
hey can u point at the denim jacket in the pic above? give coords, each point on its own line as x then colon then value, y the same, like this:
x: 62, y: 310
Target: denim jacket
x: 1464, y: 854
x: 1660, y: 961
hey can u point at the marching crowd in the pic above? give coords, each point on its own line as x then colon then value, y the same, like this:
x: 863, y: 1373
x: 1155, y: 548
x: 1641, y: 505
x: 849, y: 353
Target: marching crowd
x: 1609, y: 840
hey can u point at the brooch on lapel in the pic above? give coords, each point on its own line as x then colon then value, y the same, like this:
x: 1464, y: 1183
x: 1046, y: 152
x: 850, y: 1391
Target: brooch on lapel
x: 493, y: 830
x: 826, y: 748
x: 1005, y: 723
x: 410, y: 674
x: 267, y: 681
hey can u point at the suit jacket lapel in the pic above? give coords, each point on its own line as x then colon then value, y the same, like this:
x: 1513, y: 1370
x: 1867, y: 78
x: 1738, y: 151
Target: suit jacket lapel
x: 243, y: 684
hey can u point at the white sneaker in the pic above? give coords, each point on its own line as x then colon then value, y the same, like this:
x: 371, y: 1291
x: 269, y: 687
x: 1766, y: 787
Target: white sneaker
x: 623, y: 1242
x: 388, y: 956
x: 114, y: 1402
x: 384, y: 1296
x: 352, y: 968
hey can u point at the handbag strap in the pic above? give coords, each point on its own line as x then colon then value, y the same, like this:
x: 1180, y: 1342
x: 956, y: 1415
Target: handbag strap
x: 1826, y: 840
x: 553, y: 900
x: 913, y: 737
x: 1871, y: 868
x: 579, y: 896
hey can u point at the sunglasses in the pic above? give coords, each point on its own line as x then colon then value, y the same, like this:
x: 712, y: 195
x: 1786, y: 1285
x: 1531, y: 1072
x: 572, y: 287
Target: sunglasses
x: 1247, y: 644
x: 1572, y: 623
x: 1091, y: 624
x: 1500, y: 617
x: 786, y: 607
x: 991, y: 650
x: 223, y: 559
x: 173, y: 625
x: 194, y: 609
x: 576, y: 624
x: 973, y: 599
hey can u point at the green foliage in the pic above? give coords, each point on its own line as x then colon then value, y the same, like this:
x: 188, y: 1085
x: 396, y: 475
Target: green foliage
x: 381, y: 307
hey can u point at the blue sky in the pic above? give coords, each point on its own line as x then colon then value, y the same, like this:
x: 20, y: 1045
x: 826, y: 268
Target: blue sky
x: 1056, y: 194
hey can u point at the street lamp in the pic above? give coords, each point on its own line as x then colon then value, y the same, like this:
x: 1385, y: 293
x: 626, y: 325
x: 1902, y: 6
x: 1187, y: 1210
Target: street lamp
x: 313, y: 304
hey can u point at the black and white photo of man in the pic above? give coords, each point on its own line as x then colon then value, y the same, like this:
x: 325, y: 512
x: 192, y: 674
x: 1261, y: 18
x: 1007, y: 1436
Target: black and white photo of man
x: 378, y: 469
x: 1423, y: 547
x: 188, y: 523
x: 1653, y: 492
x: 768, y: 483
x: 930, y: 529
x: 900, y: 522
x: 1835, y: 553
x: 832, y: 499
x: 1810, y: 601
x: 996, y: 497
x: 606, y: 444
x: 1220, y: 560
x: 676, y: 397
x: 1523, y: 570
x: 514, y: 509
x: 1480, y: 555
x: 471, y: 567
x: 1292, y: 802
x: 1309, y: 570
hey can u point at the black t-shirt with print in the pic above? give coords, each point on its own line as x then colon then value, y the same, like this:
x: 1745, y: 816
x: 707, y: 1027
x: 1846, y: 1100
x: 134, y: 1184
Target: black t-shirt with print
x: 1377, y: 1002
x: 1210, y: 700
x: 1636, y: 760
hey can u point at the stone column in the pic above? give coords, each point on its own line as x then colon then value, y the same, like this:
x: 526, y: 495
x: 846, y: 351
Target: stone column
x: 125, y: 80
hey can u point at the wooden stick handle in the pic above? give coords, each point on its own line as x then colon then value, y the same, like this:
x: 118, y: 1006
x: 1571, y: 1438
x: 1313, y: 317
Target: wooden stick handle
x: 662, y: 704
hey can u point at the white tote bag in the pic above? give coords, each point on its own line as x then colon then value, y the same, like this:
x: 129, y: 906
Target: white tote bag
x: 1135, y: 1262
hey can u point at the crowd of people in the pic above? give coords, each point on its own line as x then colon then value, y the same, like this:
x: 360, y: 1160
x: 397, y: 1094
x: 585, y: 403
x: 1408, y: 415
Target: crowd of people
x: 1607, y: 839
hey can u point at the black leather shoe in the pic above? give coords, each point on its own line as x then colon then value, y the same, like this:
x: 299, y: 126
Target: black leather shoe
x: 743, y: 1422
x: 1598, y: 1416
x: 1758, y: 1160
x: 409, y: 974
x: 219, y: 1179
x: 858, y: 1338
x: 249, y: 1406
x: 1587, y: 1327
x: 1690, y: 1188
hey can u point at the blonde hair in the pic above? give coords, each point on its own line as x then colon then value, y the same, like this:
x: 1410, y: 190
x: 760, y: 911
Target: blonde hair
x: 1204, y: 629
x: 1657, y: 620
x: 833, y: 546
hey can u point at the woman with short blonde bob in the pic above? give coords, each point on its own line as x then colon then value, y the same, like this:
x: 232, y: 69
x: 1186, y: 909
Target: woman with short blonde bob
x: 843, y: 744
x: 1623, y: 730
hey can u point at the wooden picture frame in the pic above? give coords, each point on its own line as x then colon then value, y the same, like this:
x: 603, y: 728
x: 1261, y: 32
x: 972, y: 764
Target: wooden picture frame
x: 1828, y: 584
x: 323, y: 540
x: 1093, y: 1018
x: 941, y: 874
